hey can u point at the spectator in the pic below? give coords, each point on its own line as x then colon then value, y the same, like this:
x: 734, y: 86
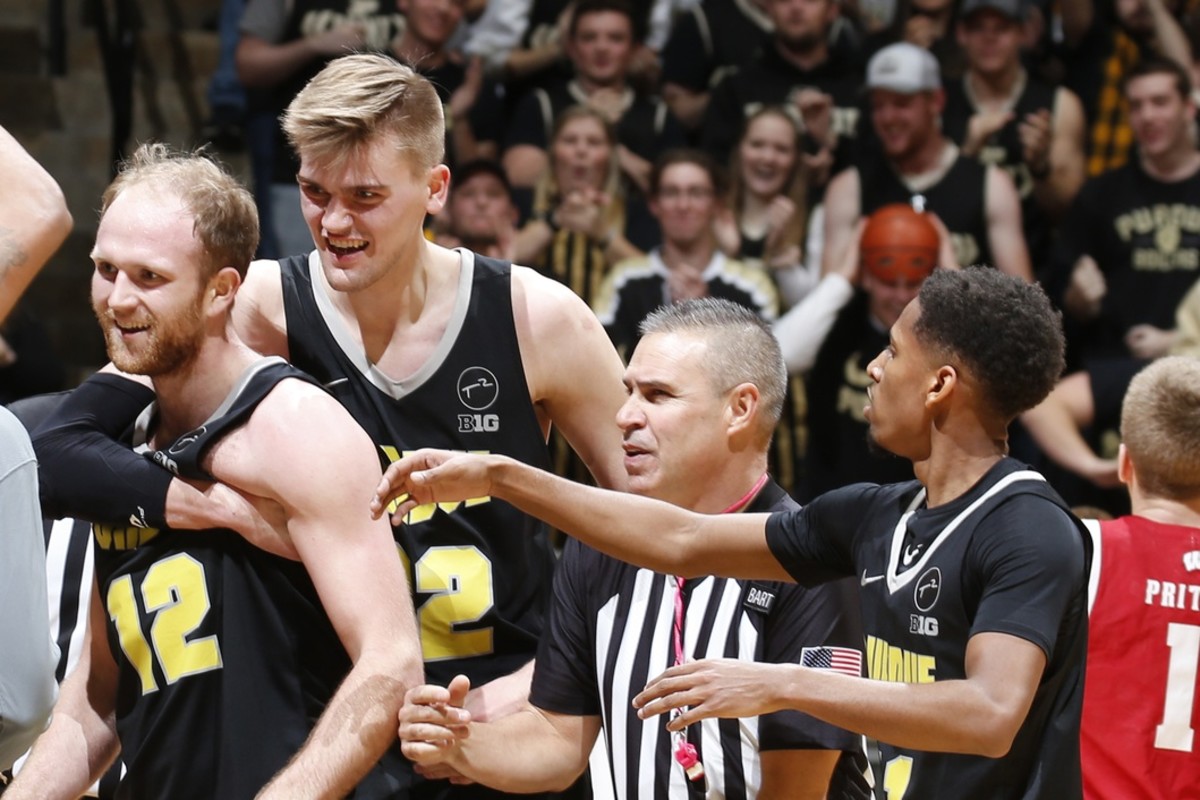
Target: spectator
x: 1102, y: 40
x: 579, y: 212
x: 801, y: 67
x: 602, y: 39
x: 1130, y: 248
x: 1003, y: 116
x: 480, y: 214
x: 765, y: 213
x: 707, y: 41
x: 978, y: 205
x: 685, y: 197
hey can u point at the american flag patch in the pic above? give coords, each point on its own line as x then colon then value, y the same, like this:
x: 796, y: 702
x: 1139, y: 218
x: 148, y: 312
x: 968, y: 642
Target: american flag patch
x: 845, y: 660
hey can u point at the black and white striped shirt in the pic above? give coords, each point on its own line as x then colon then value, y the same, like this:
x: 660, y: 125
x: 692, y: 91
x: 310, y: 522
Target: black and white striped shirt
x: 611, y: 629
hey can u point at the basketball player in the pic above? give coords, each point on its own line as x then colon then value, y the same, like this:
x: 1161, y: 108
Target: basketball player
x: 1140, y: 701
x: 706, y: 388
x: 425, y: 346
x: 210, y: 660
x: 972, y: 577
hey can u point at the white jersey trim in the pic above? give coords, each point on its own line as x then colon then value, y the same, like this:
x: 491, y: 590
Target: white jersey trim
x: 352, y: 348
x: 895, y: 581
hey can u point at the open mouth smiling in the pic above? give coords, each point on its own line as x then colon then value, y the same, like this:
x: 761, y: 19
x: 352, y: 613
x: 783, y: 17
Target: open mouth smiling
x: 345, y: 247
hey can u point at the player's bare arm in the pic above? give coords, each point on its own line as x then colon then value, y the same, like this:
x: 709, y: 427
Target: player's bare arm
x: 81, y: 741
x: 979, y: 714
x: 34, y: 220
x: 574, y: 372
x: 529, y: 751
x: 312, y: 471
x: 685, y: 543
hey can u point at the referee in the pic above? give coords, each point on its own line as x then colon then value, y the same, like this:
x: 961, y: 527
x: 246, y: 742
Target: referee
x: 706, y: 386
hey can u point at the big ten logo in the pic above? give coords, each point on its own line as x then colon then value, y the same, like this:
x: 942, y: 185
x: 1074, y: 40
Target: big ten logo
x: 922, y: 625
x: 478, y: 423
x: 121, y: 537
x: 423, y: 513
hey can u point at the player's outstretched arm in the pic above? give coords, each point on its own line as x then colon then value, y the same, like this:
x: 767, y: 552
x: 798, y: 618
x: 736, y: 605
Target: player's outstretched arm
x: 321, y: 474
x: 574, y: 373
x: 81, y: 741
x: 34, y: 220
x: 683, y: 543
x: 529, y: 751
x: 979, y: 714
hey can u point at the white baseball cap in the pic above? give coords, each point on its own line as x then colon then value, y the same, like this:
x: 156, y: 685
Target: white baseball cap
x: 904, y: 68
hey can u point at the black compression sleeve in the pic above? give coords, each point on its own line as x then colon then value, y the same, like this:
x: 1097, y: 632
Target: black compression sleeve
x: 84, y: 471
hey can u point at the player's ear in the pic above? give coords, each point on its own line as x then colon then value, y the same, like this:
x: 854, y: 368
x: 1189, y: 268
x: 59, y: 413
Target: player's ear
x: 1124, y: 465
x: 942, y: 384
x: 224, y: 284
x: 439, y: 188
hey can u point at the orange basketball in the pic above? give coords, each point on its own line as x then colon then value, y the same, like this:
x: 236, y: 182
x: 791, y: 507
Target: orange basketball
x: 899, y: 244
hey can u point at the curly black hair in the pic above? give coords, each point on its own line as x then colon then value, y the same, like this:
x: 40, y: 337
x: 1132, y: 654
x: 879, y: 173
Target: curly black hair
x: 1003, y: 330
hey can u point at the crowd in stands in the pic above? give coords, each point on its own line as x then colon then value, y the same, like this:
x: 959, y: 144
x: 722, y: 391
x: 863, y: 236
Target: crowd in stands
x: 1053, y: 141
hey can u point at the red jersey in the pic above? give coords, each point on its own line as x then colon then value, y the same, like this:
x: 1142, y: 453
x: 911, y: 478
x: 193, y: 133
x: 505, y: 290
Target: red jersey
x: 1140, y: 697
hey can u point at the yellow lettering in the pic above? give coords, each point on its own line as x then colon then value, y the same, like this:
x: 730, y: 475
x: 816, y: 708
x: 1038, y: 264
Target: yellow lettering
x: 886, y: 662
x: 1149, y: 260
x: 120, y: 537
x: 424, y: 513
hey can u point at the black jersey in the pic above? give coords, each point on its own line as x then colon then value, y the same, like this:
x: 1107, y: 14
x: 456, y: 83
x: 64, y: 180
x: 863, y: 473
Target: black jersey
x: 958, y: 199
x: 611, y: 629
x: 480, y: 570
x: 225, y: 654
x: 1003, y: 149
x: 838, y: 450
x: 1145, y: 236
x: 1004, y: 557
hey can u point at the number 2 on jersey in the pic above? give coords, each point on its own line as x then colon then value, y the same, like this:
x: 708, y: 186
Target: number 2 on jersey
x: 175, y: 593
x: 460, y: 579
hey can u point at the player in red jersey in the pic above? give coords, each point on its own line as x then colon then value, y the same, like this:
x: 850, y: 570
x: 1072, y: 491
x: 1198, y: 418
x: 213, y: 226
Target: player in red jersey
x: 1139, y: 708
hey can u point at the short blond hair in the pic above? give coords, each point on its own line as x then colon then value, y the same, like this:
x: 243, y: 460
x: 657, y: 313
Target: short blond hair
x: 225, y: 219
x: 1160, y: 425
x: 359, y: 98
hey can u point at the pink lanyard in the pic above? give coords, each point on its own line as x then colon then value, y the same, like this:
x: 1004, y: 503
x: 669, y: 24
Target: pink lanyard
x: 685, y: 751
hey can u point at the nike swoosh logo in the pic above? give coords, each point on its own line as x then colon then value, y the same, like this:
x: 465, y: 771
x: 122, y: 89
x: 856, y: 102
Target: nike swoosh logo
x: 872, y: 579
x: 336, y: 382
